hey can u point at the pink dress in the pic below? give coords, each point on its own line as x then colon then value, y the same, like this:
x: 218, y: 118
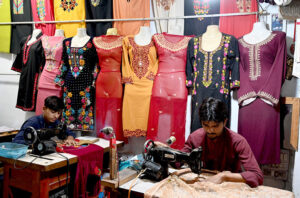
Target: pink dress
x: 53, y: 51
x: 42, y: 10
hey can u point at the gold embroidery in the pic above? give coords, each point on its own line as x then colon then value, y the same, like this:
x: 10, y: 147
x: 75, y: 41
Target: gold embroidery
x: 268, y: 97
x: 254, y: 56
x: 137, y: 132
x: 140, y: 62
x: 166, y: 4
x: 164, y: 43
x: 127, y: 80
x: 150, y: 76
x: 102, y: 43
x: 246, y: 96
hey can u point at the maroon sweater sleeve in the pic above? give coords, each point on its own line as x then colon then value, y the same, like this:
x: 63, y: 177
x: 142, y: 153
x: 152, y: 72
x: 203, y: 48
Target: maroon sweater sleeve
x: 252, y: 173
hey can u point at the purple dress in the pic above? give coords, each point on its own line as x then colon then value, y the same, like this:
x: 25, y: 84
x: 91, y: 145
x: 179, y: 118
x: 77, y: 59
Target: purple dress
x: 262, y: 71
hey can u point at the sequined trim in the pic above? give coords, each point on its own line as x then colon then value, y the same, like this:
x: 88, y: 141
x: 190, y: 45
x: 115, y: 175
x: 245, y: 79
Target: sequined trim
x: 127, y: 80
x: 151, y: 76
x: 137, y: 132
x: 140, y: 61
x: 106, y: 45
x: 268, y: 97
x: 174, y: 47
x: 166, y: 4
x: 254, y: 56
x: 246, y: 96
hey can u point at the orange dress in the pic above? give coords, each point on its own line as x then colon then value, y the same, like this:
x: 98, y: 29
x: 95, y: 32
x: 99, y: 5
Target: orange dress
x: 130, y: 9
x: 139, y: 67
x: 237, y: 26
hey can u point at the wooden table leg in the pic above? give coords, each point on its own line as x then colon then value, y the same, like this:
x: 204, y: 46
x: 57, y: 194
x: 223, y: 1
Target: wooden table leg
x: 6, y: 181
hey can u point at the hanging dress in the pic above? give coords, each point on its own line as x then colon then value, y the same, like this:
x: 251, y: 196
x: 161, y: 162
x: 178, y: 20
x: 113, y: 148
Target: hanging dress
x: 109, y: 89
x: 124, y: 9
x: 262, y: 68
x: 98, y: 9
x: 20, y: 11
x: 29, y: 62
x: 237, y: 25
x: 66, y: 10
x: 169, y: 93
x: 212, y: 73
x: 42, y: 10
x: 197, y: 26
x: 139, y: 67
x: 46, y: 87
x: 169, y: 8
x: 77, y: 77
x: 5, y: 29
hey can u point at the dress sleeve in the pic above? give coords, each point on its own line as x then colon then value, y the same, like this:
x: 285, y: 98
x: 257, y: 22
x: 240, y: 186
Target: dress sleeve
x: 271, y: 90
x: 252, y: 174
x: 126, y: 76
x: 153, y: 71
x: 17, y: 65
x: 234, y: 57
x: 190, y: 59
x: 60, y: 78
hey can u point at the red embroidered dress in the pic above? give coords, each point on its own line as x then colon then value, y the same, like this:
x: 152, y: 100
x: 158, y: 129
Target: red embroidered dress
x: 77, y: 76
x: 139, y: 67
x: 169, y: 93
x: 109, y: 89
x: 42, y: 10
x: 53, y: 51
x: 237, y: 25
x: 29, y: 61
x: 262, y: 69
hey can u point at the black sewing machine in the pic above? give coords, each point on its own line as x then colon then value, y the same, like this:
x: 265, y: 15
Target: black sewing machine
x: 157, y: 160
x: 41, y: 138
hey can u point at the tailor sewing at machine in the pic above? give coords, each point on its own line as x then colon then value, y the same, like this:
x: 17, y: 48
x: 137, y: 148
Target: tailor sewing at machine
x: 52, y: 110
x: 222, y: 149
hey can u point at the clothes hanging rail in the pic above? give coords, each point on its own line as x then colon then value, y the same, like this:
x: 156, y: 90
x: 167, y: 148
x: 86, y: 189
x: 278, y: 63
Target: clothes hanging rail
x: 136, y: 19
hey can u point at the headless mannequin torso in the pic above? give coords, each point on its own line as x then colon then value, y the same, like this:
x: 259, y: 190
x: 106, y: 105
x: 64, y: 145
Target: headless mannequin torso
x: 211, y: 38
x: 80, y: 39
x: 258, y: 34
x: 35, y: 33
x: 112, y: 31
x: 59, y: 32
x: 144, y: 36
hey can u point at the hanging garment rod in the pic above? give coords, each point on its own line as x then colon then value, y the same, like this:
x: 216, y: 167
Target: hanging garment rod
x: 137, y: 19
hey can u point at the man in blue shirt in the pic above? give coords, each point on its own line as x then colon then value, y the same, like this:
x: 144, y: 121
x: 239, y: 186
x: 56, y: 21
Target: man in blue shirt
x: 49, y: 119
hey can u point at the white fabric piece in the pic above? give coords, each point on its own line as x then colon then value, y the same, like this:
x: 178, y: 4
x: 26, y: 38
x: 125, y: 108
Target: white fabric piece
x: 169, y: 8
x: 296, y: 65
x: 282, y: 2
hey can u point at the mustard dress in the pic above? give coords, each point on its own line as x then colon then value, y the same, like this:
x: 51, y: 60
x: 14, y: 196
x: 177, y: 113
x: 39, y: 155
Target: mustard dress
x: 139, y: 67
x: 66, y: 10
x: 5, y: 29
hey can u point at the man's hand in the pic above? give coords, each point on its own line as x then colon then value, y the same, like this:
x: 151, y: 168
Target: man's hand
x: 70, y: 141
x: 218, y: 178
x: 160, y: 144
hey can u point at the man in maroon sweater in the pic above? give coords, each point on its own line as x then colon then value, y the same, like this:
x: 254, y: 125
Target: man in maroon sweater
x: 223, y: 149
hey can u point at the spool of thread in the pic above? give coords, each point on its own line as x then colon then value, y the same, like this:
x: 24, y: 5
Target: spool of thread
x: 171, y: 140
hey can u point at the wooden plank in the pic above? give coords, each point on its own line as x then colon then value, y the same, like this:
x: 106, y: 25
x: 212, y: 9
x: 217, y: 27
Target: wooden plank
x: 8, y: 133
x: 124, y: 176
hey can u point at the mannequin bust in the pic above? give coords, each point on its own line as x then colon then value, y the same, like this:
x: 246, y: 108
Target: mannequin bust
x: 81, y: 38
x: 35, y: 33
x: 59, y: 32
x: 144, y: 36
x: 112, y: 31
x: 211, y: 39
x: 258, y: 33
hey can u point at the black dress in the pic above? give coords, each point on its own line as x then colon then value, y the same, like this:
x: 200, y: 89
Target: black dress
x: 77, y: 77
x: 29, y: 61
x: 98, y: 9
x: 197, y: 26
x: 20, y: 11
x: 212, y: 74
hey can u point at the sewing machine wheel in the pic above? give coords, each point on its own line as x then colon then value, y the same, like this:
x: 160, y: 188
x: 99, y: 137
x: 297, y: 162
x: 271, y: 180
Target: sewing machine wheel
x: 149, y: 144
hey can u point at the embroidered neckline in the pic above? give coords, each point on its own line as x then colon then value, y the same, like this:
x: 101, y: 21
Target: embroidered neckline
x: 263, y: 42
x: 102, y: 43
x: 140, y: 61
x: 164, y: 43
x: 215, y: 50
x: 27, y: 48
x: 50, y: 50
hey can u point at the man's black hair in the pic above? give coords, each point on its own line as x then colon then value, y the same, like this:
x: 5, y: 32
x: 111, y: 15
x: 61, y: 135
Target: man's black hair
x: 213, y: 109
x: 54, y: 103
